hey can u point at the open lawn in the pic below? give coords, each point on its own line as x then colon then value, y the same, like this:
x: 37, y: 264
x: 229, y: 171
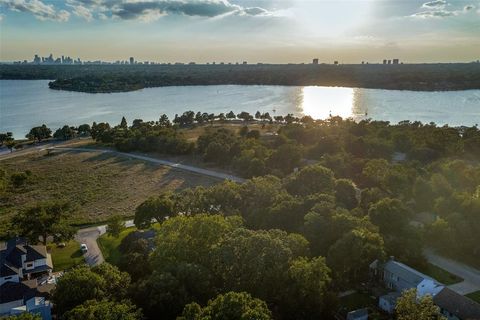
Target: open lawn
x: 440, y: 274
x: 109, y: 245
x: 66, y: 257
x: 98, y: 185
x: 474, y: 296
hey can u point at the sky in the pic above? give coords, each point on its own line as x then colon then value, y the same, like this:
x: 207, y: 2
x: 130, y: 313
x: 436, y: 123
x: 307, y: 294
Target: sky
x: 269, y: 31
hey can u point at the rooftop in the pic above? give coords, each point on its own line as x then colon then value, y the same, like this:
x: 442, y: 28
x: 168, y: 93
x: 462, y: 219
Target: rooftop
x: 461, y: 306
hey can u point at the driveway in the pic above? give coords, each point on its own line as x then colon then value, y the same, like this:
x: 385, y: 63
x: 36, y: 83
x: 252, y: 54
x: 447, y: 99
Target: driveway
x: 470, y: 275
x: 175, y: 165
x: 89, y: 237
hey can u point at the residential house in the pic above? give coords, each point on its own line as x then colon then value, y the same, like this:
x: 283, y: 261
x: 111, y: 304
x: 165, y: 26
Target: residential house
x: 454, y: 306
x: 399, y: 277
x: 19, y: 260
x: 20, y: 265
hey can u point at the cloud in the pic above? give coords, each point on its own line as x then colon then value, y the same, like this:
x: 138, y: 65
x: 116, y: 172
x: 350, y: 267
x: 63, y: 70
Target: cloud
x: 202, y: 8
x: 1, y: 17
x: 434, y: 14
x: 82, y: 12
x: 39, y: 9
x: 436, y: 4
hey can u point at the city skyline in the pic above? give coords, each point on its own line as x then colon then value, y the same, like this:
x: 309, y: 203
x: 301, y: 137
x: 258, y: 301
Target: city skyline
x: 237, y: 30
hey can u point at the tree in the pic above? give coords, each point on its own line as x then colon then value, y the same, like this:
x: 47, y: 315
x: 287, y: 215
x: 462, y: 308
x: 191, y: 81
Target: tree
x: 390, y: 215
x: 103, y: 310
x: 76, y: 287
x: 410, y: 307
x: 123, y: 123
x: 39, y: 133
x: 154, y: 208
x: 345, y: 193
x: 83, y: 283
x: 5, y: 137
x: 350, y: 257
x: 115, y: 226
x: 84, y: 129
x: 285, y: 158
x: 311, y: 180
x: 231, y: 306
x: 65, y: 133
x: 231, y: 115
x: 164, y: 122
x: 44, y: 220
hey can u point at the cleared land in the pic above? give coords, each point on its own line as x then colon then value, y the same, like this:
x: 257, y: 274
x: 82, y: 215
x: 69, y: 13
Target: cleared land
x: 98, y: 185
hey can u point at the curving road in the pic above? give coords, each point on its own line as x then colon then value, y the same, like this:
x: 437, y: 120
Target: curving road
x: 175, y: 165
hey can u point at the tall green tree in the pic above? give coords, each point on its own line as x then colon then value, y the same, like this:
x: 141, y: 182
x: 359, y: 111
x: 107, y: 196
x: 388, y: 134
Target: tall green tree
x: 154, y: 208
x: 115, y: 226
x: 410, y: 307
x: 103, y: 310
x: 44, y: 220
x: 231, y: 306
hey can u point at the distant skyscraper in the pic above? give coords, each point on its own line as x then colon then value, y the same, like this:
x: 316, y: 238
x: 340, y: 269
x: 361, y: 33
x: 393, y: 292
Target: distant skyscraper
x: 315, y: 61
x: 395, y: 61
x: 37, y: 59
x: 335, y: 62
x: 132, y: 61
x: 384, y: 61
x: 389, y: 61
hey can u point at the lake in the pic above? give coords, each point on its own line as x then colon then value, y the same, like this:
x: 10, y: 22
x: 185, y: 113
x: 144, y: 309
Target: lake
x: 28, y: 103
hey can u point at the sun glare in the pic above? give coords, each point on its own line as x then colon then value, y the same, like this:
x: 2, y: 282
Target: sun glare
x: 321, y: 102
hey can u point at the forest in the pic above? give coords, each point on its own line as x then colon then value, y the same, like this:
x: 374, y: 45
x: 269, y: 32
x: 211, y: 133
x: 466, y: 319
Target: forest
x: 116, y: 78
x: 323, y: 199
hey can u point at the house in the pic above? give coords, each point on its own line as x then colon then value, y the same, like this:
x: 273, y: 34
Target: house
x: 454, y: 306
x: 360, y: 314
x: 26, y: 296
x: 388, y: 302
x: 20, y: 265
x: 399, y: 277
x: 19, y: 260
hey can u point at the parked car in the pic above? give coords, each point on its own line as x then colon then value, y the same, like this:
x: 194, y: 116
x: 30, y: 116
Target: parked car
x: 83, y: 247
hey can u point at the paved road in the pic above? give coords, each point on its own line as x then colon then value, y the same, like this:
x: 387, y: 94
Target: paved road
x: 175, y: 165
x: 89, y: 237
x: 470, y: 275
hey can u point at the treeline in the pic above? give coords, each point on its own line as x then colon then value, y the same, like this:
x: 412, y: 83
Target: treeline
x: 112, y: 78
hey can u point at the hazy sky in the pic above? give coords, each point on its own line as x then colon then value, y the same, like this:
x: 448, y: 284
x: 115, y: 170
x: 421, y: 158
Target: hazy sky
x: 237, y: 30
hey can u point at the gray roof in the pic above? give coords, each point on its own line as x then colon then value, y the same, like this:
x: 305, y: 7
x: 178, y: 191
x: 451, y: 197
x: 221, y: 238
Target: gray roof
x: 11, y: 255
x: 391, y: 297
x: 352, y: 315
x: 405, y: 272
x: 462, y: 307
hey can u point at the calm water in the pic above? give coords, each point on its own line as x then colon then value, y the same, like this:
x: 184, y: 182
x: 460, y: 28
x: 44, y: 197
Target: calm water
x: 28, y: 103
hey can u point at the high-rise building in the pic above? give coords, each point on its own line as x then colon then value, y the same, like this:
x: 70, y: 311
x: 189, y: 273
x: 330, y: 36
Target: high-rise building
x: 315, y: 61
x: 395, y: 61
x: 335, y: 62
x: 384, y: 61
x: 132, y: 61
x: 389, y: 61
x: 37, y: 59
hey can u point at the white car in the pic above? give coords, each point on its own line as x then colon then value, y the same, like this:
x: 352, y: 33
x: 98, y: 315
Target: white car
x: 83, y: 247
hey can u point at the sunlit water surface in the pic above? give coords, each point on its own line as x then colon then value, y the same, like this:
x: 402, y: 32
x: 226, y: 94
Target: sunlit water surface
x: 28, y: 103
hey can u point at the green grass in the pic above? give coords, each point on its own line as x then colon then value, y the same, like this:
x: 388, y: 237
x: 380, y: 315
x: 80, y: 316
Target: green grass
x: 475, y: 296
x: 96, y: 185
x: 440, y: 274
x: 67, y: 257
x: 356, y: 301
x: 109, y: 246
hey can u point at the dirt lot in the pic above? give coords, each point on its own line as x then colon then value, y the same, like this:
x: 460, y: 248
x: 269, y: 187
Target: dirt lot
x: 99, y: 185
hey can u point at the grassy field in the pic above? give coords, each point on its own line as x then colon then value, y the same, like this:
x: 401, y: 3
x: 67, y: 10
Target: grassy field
x: 66, y: 257
x: 109, y: 245
x: 98, y: 185
x: 474, y: 296
x: 440, y: 274
x: 360, y: 300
